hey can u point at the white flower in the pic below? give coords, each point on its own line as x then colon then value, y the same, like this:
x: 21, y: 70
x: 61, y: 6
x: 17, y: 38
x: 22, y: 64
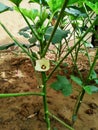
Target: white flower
x: 42, y: 65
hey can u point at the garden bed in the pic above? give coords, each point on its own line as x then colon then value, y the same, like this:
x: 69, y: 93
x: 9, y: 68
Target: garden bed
x: 27, y: 113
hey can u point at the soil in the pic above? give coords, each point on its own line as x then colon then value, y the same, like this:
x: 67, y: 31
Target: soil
x: 27, y: 113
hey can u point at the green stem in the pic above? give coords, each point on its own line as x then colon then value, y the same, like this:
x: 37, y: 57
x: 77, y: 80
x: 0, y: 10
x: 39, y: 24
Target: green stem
x: 77, y: 106
x: 45, y: 100
x: 56, y: 118
x: 89, y: 19
x: 55, y: 27
x: 87, y: 53
x: 4, y: 95
x: 77, y: 31
x: 59, y: 51
x: 73, y: 60
x: 92, y: 66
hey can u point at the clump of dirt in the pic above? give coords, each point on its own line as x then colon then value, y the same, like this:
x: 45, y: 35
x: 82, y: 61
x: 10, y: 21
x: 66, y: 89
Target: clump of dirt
x: 26, y: 113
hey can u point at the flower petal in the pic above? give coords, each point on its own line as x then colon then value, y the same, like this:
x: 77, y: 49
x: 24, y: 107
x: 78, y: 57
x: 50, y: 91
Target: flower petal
x: 42, y: 65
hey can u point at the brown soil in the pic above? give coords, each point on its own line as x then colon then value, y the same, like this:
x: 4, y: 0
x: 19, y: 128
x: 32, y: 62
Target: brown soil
x: 27, y: 113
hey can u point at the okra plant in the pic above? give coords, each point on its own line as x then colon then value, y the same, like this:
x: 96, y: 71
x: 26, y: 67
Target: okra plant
x: 55, y: 23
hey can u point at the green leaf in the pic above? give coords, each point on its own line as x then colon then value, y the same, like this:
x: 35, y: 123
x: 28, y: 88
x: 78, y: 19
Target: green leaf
x: 93, y: 6
x: 37, y: 1
x: 75, y: 12
x: 71, y: 2
x: 3, y: 7
x: 58, y: 36
x: 96, y: 81
x: 77, y: 80
x: 31, y: 14
x: 44, y: 15
x: 90, y: 89
x: 34, y: 55
x: 93, y: 75
x: 32, y: 39
x: 6, y: 46
x: 26, y: 33
x: 16, y: 2
x: 43, y: 2
x: 55, y: 5
x: 62, y: 84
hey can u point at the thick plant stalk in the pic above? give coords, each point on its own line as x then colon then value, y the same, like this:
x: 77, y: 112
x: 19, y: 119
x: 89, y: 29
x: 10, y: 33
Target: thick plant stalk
x: 45, y: 101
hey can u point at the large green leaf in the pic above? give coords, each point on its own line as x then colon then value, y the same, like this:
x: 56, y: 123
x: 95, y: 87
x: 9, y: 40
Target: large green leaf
x: 55, y: 5
x: 58, y: 36
x: 90, y: 89
x: 16, y: 2
x: 3, y: 7
x: 62, y: 84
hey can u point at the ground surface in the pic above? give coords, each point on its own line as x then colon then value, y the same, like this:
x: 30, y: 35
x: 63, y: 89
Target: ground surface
x: 26, y: 113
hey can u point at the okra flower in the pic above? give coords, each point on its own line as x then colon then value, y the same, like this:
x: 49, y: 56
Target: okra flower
x: 42, y: 65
